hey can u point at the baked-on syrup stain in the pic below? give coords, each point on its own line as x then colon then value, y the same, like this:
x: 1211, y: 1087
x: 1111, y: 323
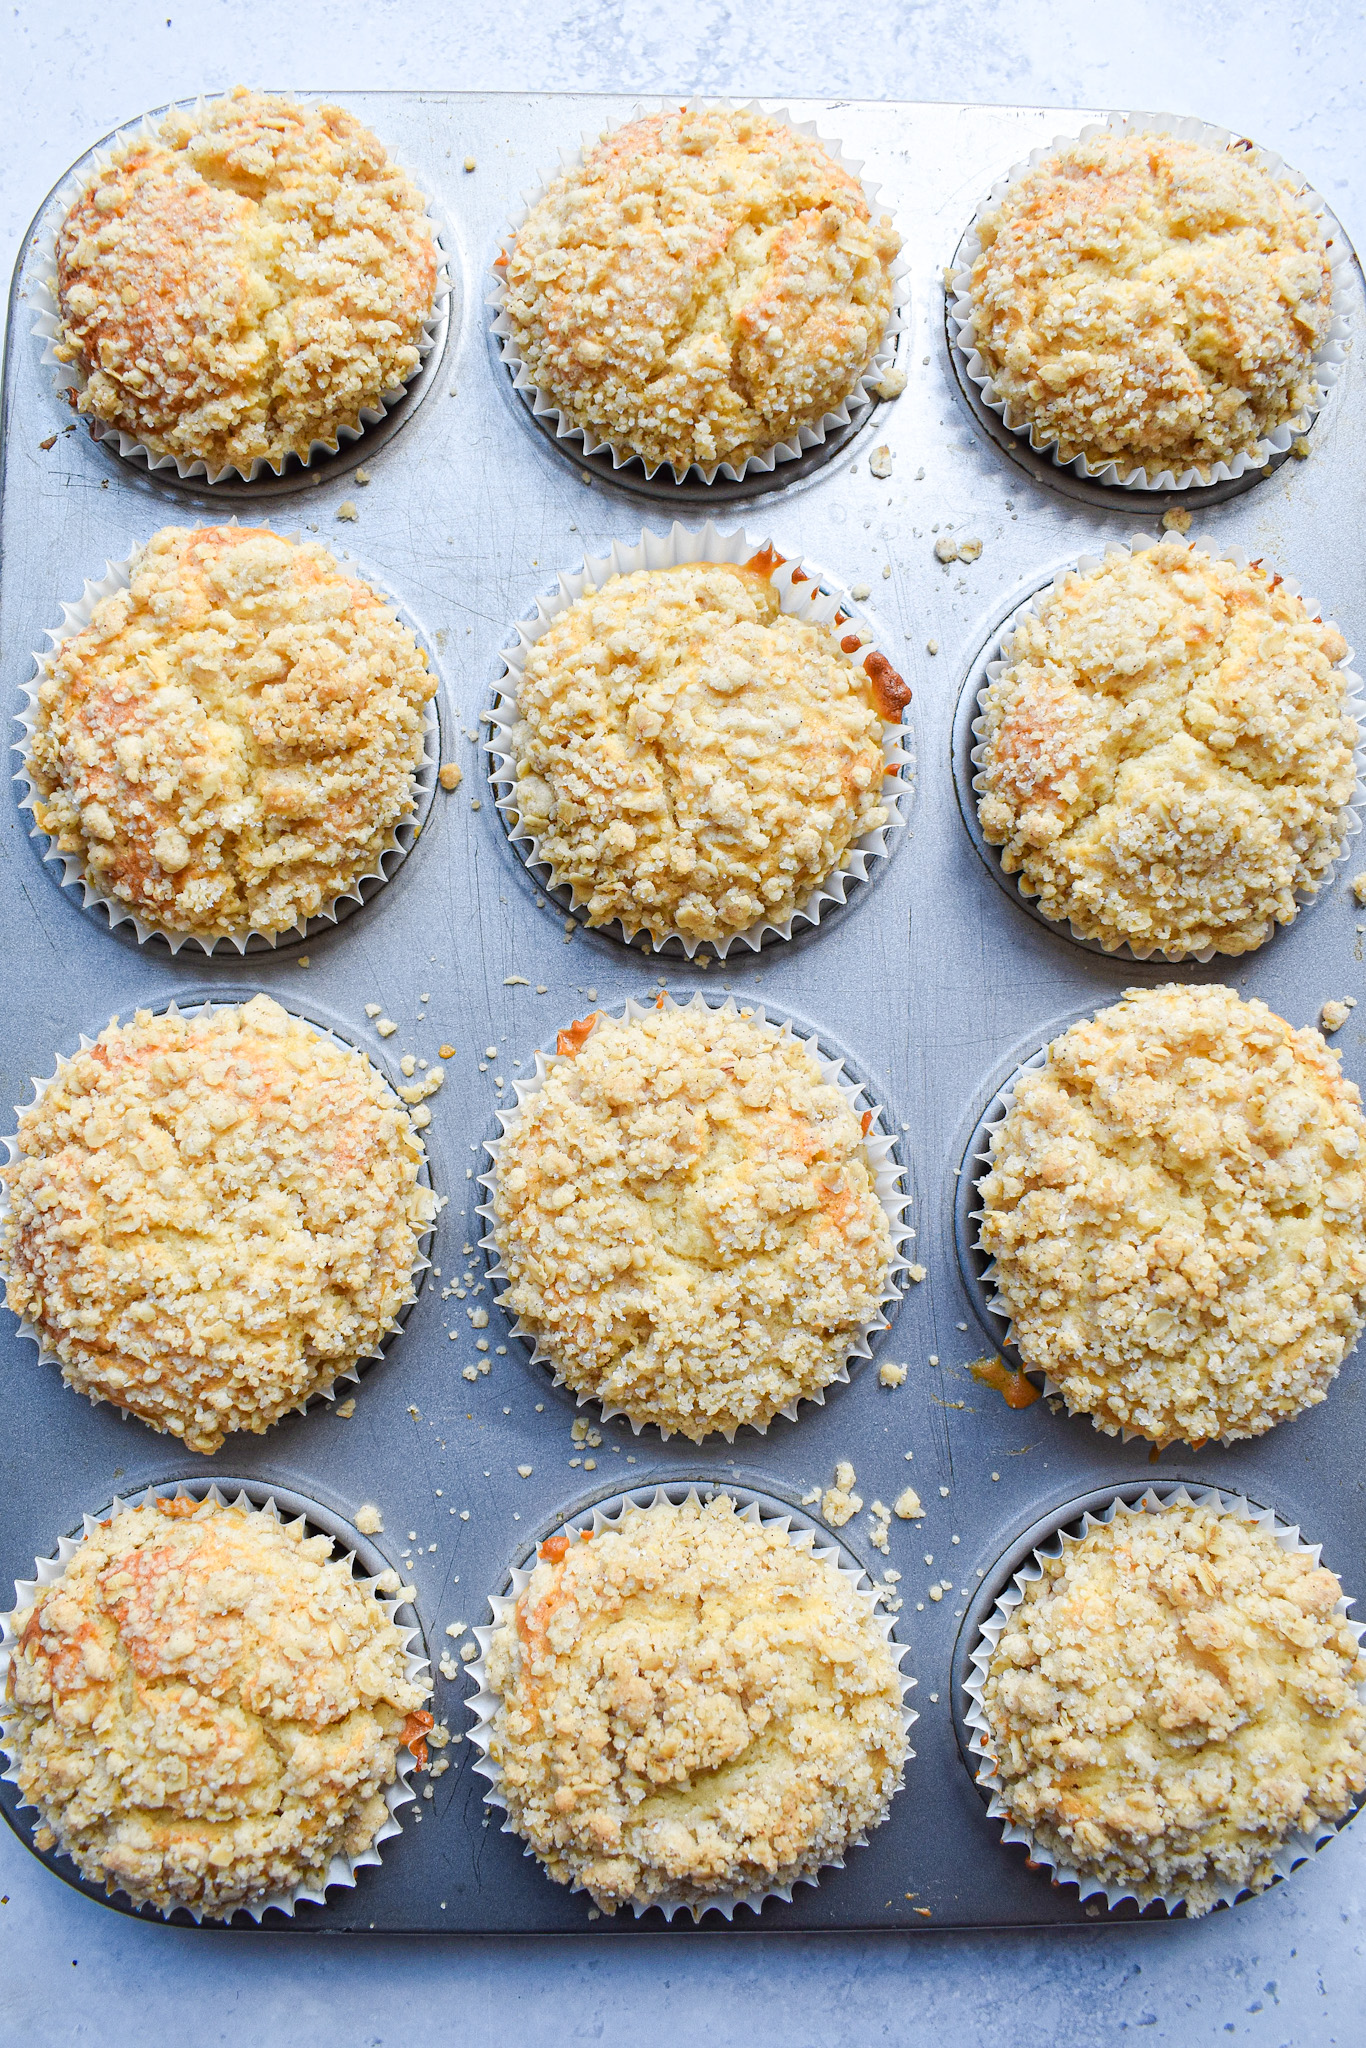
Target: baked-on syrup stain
x: 1015, y: 1389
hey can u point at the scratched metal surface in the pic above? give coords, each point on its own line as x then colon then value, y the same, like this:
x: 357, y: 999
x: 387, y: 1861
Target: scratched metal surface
x: 933, y: 984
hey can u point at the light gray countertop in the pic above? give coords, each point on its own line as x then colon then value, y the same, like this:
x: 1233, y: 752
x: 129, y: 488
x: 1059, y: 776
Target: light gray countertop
x: 1286, y: 1969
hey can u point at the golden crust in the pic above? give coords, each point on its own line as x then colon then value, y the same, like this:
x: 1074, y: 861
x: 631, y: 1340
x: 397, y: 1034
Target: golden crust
x: 1173, y: 1700
x: 206, y: 1707
x: 231, y: 741
x: 1167, y: 754
x: 689, y: 1222
x: 692, y: 1707
x: 689, y: 757
x: 212, y: 1216
x: 1143, y: 299
x: 247, y: 283
x: 702, y: 287
x: 1177, y: 1210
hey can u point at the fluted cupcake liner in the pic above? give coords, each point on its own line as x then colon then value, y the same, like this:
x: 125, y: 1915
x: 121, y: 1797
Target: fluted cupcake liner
x: 70, y: 378
x: 1124, y: 471
x: 421, y: 1264
x: 969, y: 755
x: 762, y: 1510
x: 544, y: 407
x: 118, y: 576
x: 48, y: 1571
x: 879, y: 1144
x: 1296, y: 1848
x: 804, y: 592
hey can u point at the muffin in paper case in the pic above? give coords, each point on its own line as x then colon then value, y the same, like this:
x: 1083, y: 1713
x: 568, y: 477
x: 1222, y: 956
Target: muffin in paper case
x: 970, y: 730
x: 70, y: 379
x: 804, y: 593
x: 889, y: 1177
x: 421, y: 1263
x: 382, y: 1583
x: 484, y: 1704
x: 852, y: 412
x: 402, y: 835
x: 1126, y: 472
x: 1293, y: 1851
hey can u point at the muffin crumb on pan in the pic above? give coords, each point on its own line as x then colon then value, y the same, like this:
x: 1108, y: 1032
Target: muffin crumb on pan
x: 1166, y: 754
x: 688, y: 1221
x: 1141, y: 298
x: 212, y: 1217
x: 206, y: 1707
x: 690, y: 757
x: 693, y: 1708
x: 1176, y: 1209
x: 703, y: 286
x: 245, y: 283
x: 230, y: 742
x: 1172, y: 1701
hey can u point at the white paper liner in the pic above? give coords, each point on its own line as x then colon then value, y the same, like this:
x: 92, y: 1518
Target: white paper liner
x: 421, y: 1263
x: 343, y: 1867
x: 810, y: 601
x: 1353, y: 706
x: 1296, y: 1849
x: 117, y: 576
x: 985, y: 1284
x: 763, y: 1511
x: 855, y: 407
x: 878, y: 1143
x: 1125, y: 471
x: 70, y: 378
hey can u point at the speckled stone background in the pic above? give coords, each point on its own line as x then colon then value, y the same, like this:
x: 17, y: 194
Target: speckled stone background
x: 1286, y: 1969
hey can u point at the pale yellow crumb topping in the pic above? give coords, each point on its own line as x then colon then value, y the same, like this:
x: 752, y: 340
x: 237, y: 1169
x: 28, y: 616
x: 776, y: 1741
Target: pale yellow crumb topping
x: 702, y: 287
x: 1176, y: 1206
x: 692, y: 1707
x: 1174, y: 1699
x: 206, y: 1707
x: 1149, y: 300
x: 1167, y: 754
x: 210, y: 1217
x: 246, y: 282
x: 689, y: 757
x: 231, y: 741
x: 689, y: 1221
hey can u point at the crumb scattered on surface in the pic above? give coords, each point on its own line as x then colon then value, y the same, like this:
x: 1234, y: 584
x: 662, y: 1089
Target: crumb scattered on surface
x: 907, y: 1505
x: 946, y: 548
x: 880, y: 461
x: 890, y: 384
x: 347, y: 509
x: 891, y: 1375
x: 452, y: 775
x: 1174, y: 521
x: 1334, y: 1014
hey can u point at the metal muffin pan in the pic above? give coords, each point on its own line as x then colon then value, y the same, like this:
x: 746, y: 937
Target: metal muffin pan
x: 933, y: 983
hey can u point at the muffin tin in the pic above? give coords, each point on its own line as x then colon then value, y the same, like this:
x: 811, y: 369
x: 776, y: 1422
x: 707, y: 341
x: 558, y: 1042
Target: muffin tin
x: 933, y: 985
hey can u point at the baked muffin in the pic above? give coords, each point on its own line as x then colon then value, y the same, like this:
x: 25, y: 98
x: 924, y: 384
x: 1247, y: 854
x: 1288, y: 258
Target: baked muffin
x: 213, y: 1216
x: 691, y: 758
x: 245, y: 283
x: 1176, y: 1205
x: 1172, y: 1701
x: 206, y: 1707
x: 231, y: 741
x: 700, y: 288
x: 688, y: 1220
x: 1148, y: 301
x: 1166, y: 753
x: 694, y: 1709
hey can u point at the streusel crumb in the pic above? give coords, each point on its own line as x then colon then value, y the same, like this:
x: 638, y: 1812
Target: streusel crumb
x: 1172, y: 1700
x: 1149, y: 300
x: 1166, y: 756
x: 1176, y: 1206
x: 231, y: 741
x: 702, y: 287
x: 246, y: 283
x: 691, y: 758
x: 207, y: 1706
x: 212, y: 1216
x: 689, y: 1220
x: 693, y: 1706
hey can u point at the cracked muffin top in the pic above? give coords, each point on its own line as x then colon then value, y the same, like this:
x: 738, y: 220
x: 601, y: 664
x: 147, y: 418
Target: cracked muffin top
x: 700, y: 288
